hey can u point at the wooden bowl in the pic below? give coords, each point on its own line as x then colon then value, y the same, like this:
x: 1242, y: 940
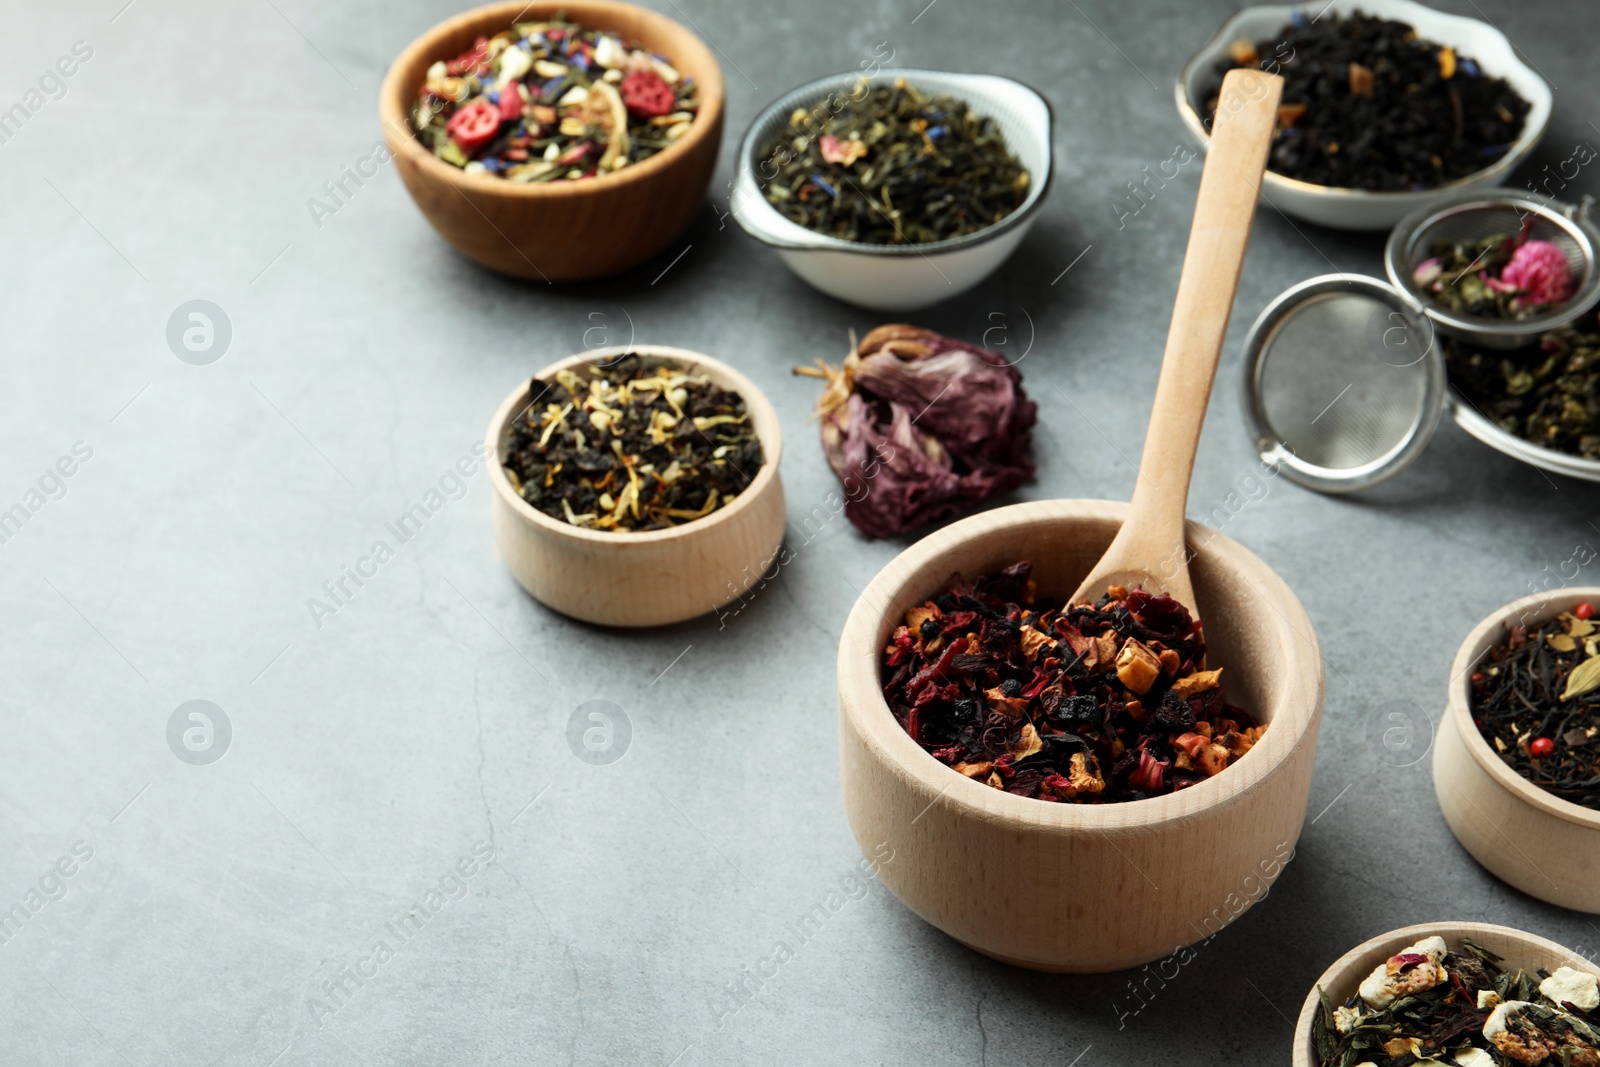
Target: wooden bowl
x: 654, y: 577
x: 560, y: 230
x: 1066, y: 887
x: 1545, y: 846
x: 1340, y: 980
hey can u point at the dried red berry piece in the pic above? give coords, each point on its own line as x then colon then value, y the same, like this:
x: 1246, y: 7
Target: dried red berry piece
x: 646, y: 94
x: 473, y: 61
x: 510, y: 104
x: 1540, y: 747
x: 1584, y: 610
x: 474, y: 125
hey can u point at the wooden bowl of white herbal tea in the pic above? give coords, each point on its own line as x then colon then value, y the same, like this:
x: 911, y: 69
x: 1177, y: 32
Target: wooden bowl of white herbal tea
x: 599, y: 571
x: 1347, y: 1012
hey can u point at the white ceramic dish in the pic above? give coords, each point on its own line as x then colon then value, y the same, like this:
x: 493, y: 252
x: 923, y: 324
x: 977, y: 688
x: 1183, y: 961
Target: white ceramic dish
x: 1356, y: 209
x: 907, y: 277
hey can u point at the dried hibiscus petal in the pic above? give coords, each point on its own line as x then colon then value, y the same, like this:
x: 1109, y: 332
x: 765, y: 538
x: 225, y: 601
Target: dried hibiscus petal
x: 919, y: 427
x: 977, y: 677
x: 1149, y: 776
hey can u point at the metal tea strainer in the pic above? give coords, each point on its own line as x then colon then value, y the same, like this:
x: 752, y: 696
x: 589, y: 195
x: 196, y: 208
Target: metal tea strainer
x: 1343, y: 385
x: 1345, y: 375
x: 1475, y: 215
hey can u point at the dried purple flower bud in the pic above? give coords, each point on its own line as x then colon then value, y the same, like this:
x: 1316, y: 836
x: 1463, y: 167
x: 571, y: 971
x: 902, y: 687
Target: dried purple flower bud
x: 918, y: 427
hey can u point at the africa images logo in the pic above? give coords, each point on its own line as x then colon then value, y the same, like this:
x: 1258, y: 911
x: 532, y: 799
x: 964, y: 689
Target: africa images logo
x: 199, y: 732
x: 199, y: 332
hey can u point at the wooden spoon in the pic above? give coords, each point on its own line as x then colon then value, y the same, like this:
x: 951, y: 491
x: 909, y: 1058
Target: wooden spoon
x: 1149, y: 550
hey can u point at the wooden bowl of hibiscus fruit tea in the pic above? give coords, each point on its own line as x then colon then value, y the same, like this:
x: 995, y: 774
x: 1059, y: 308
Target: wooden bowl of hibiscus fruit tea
x: 1074, y: 832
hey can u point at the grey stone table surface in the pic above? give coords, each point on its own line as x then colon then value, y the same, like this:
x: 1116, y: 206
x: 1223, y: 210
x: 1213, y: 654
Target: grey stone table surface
x: 398, y: 772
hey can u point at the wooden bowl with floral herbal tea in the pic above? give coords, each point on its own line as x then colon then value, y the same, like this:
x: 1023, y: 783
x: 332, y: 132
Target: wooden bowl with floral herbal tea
x: 1356, y: 973
x: 532, y: 225
x: 1073, y: 886
x: 1524, y: 834
x: 615, y: 576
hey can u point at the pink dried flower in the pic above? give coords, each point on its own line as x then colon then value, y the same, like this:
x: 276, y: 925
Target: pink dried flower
x: 837, y: 151
x: 1539, y: 271
x: 919, y: 427
x: 1427, y: 271
x: 1497, y: 284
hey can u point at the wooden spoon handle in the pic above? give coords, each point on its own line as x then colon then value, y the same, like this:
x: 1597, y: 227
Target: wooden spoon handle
x: 1229, y: 186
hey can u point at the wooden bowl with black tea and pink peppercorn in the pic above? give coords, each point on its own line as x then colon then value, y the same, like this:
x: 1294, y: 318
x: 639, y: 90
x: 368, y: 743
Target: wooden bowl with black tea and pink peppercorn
x: 650, y: 577
x: 1521, y: 951
x: 1544, y: 845
x: 1082, y: 887
x: 561, y: 230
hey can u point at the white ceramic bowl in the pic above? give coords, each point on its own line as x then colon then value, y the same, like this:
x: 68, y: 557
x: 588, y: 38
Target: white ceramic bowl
x: 1356, y: 209
x: 900, y: 277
